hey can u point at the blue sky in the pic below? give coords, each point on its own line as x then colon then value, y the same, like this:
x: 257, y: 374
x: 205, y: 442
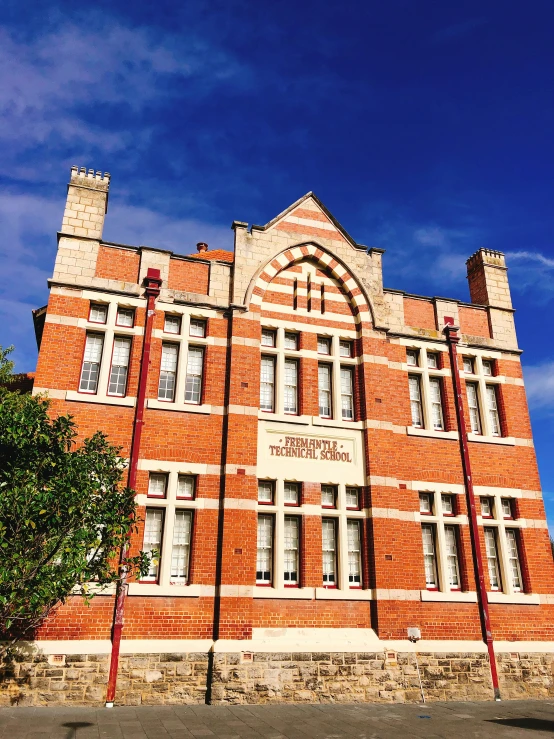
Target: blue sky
x: 425, y: 127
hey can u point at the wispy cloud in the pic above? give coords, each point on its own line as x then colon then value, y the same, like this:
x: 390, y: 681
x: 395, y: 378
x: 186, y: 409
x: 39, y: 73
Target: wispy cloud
x: 62, y: 87
x: 539, y: 384
x: 444, y: 35
x: 28, y: 250
x: 532, y: 273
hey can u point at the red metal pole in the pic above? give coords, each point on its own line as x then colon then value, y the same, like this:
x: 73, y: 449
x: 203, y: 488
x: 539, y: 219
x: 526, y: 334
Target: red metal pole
x: 152, y: 283
x: 453, y: 339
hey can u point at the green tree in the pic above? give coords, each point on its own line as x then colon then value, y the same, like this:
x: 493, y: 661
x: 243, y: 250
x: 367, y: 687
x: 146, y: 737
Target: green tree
x: 64, y: 512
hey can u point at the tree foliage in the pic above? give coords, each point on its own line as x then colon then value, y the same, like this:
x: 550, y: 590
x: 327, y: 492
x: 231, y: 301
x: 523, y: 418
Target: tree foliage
x: 64, y: 513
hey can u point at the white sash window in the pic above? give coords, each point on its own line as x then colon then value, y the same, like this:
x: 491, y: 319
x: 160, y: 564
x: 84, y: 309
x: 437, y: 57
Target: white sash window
x: 193, y: 380
x: 120, y: 366
x: 267, y: 384
x: 168, y: 372
x: 91, y: 363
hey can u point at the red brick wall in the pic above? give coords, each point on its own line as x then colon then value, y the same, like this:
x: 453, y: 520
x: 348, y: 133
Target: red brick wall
x: 474, y: 321
x: 419, y: 313
x: 189, y: 276
x: 118, y: 264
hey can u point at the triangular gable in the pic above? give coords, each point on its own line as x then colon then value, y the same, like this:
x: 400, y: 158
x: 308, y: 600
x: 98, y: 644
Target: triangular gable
x: 309, y: 217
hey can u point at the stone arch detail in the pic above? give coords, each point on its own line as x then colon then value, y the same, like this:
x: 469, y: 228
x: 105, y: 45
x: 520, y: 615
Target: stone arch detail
x: 360, y: 302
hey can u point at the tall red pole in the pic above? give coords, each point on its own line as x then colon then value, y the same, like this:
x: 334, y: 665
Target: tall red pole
x: 453, y: 340
x: 152, y: 283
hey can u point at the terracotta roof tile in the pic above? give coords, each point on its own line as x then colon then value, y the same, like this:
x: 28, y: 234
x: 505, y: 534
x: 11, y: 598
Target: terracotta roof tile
x: 221, y: 254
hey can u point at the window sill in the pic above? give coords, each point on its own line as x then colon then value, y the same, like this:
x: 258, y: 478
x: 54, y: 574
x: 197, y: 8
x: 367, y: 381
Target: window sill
x: 101, y: 399
x: 337, y: 594
x: 523, y: 599
x: 336, y: 423
x: 505, y: 440
x: 413, y: 431
x: 293, y: 593
x: 164, y: 405
x: 454, y: 596
x: 283, y: 418
x: 175, y: 591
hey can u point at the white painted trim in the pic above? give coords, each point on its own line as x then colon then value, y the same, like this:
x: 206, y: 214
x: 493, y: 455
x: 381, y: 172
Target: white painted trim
x: 173, y: 591
x: 164, y: 405
x: 99, y: 398
x: 443, y: 435
x: 523, y: 599
x: 285, y: 593
x: 503, y: 440
x: 434, y: 596
x: 343, y: 594
x: 397, y: 594
x: 51, y: 392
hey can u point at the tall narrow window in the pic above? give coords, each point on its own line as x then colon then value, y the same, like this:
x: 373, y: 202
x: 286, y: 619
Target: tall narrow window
x: 429, y: 556
x: 354, y: 554
x: 91, y: 363
x: 324, y: 390
x: 347, y: 393
x: 514, y: 567
x: 264, y: 558
x: 452, y: 557
x: 492, y: 559
x: 291, y: 386
x: 322, y: 298
x: 295, y: 296
x: 291, y: 493
x: 193, y: 381
x: 436, y: 403
x: 153, y: 528
x: 415, y: 400
x: 168, y: 372
x: 329, y: 542
x: 473, y: 404
x: 492, y: 408
x: 120, y: 366
x: 267, y: 384
x: 291, y: 532
x: 180, y: 551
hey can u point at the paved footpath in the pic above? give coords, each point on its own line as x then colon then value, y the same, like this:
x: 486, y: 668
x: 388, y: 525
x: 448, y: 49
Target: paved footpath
x: 507, y: 719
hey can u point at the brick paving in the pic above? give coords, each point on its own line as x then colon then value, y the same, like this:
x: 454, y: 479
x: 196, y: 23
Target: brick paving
x: 484, y: 719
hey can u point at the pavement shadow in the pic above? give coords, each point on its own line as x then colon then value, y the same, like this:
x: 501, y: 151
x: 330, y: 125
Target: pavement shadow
x: 74, y: 725
x: 533, y: 724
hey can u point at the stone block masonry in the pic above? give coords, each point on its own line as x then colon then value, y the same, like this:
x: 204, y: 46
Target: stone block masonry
x: 305, y: 677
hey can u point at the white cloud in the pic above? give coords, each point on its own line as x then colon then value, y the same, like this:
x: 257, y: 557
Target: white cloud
x: 53, y: 86
x: 539, y: 384
x: 28, y: 249
x: 533, y: 273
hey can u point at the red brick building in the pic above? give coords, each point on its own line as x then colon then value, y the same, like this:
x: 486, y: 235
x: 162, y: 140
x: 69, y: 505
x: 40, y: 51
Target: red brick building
x: 299, y: 467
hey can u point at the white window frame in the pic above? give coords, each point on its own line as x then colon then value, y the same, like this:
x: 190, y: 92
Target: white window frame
x: 119, y: 367
x: 325, y: 389
x: 170, y: 505
x: 505, y: 529
x: 265, y: 524
x: 416, y: 401
x: 354, y: 543
x: 101, y: 309
x: 290, y: 389
x: 329, y: 551
x: 266, y: 492
x: 484, y: 385
x: 347, y: 392
x: 128, y: 315
x: 291, y: 340
x: 176, y: 320
x: 267, y: 383
x: 166, y: 373
x: 194, y: 378
x: 269, y: 338
x: 291, y: 563
x: 433, y: 512
x: 198, y: 327
x: 94, y: 360
x: 474, y: 406
x: 430, y: 378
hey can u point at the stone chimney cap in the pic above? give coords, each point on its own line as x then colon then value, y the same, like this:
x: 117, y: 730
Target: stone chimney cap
x: 202, y: 246
x: 80, y: 173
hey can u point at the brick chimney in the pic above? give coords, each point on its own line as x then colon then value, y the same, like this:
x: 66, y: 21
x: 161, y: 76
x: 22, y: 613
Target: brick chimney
x: 488, y: 279
x: 87, y: 203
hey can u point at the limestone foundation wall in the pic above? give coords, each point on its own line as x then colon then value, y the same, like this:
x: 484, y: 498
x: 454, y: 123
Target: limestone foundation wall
x: 262, y: 678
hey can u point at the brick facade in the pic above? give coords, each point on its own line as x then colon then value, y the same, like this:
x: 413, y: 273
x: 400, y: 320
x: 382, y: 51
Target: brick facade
x: 302, y: 280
